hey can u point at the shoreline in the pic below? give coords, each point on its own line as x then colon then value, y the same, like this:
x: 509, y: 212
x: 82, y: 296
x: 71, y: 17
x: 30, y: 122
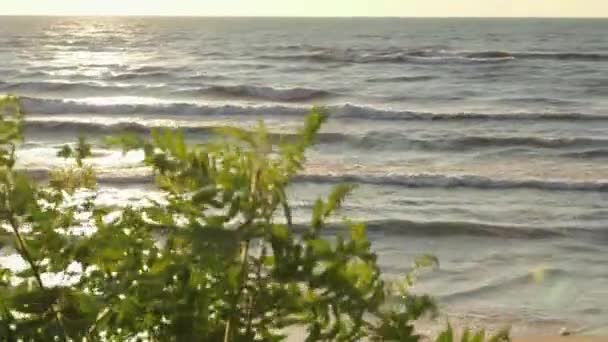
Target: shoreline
x: 561, y: 339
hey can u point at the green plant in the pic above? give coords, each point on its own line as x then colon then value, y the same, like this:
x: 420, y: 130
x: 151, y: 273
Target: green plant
x: 216, y: 259
x: 471, y: 336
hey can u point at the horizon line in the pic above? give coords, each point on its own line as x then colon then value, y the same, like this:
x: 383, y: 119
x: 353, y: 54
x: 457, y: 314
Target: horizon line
x: 292, y: 16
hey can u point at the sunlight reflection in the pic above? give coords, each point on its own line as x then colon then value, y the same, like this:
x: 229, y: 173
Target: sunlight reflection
x: 93, y: 45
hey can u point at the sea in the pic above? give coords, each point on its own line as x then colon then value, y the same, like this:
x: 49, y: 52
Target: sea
x: 481, y: 141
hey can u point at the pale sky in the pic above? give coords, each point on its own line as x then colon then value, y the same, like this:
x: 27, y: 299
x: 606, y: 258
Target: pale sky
x: 404, y: 8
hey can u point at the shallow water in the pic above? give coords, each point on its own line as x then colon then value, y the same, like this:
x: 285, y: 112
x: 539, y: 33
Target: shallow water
x: 481, y: 141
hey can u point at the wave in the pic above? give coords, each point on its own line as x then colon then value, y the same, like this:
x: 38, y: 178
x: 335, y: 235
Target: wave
x: 56, y: 126
x: 72, y: 106
x: 227, y: 92
x: 259, y: 93
x: 81, y: 87
x: 400, y: 141
x: 434, y: 228
x: 35, y: 86
x: 347, y: 56
x: 474, y: 229
x: 496, y: 141
x: 514, y: 282
x: 574, y: 56
x: 401, y: 79
x: 391, y: 226
x: 206, y: 77
x: 450, y: 228
x: 587, y: 154
x: 490, y: 54
x: 464, y: 181
x: 57, y: 106
x: 564, y: 56
x: 370, y: 140
x: 540, y: 100
x: 99, y: 127
x: 396, y: 55
x: 158, y: 68
x: 125, y: 76
x: 69, y: 127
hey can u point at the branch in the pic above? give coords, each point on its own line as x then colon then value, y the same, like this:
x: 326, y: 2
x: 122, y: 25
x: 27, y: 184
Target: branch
x: 22, y: 248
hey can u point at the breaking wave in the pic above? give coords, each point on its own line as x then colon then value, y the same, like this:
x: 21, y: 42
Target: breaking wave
x: 57, y: 106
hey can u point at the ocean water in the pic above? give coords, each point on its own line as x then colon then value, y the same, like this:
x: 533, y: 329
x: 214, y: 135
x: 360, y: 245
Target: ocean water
x: 482, y: 141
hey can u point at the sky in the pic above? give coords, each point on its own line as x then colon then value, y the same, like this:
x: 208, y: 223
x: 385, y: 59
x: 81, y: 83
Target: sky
x: 306, y: 8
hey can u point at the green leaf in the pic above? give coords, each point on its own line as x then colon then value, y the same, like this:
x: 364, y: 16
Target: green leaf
x: 22, y: 195
x: 65, y: 152
x: 210, y: 258
x: 479, y: 336
x: 358, y: 232
x: 337, y: 197
x: 426, y: 261
x: 234, y: 207
x: 465, y: 335
x: 317, y: 214
x: 502, y: 336
x: 285, y: 205
x: 205, y: 195
x: 234, y: 275
x: 83, y: 149
x: 126, y: 142
x: 446, y: 336
x: 207, y: 239
x: 280, y: 232
x: 320, y: 247
x: 35, y: 301
x: 179, y: 148
x: 239, y: 134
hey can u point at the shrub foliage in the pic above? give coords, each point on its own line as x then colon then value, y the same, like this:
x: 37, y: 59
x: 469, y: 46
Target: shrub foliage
x: 217, y: 258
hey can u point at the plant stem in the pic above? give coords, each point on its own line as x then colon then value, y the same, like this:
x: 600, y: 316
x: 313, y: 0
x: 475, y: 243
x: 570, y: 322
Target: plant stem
x: 22, y: 248
x: 92, y: 329
x: 231, y: 325
x: 258, y: 276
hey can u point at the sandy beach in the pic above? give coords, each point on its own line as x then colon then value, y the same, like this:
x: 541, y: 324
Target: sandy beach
x: 561, y: 339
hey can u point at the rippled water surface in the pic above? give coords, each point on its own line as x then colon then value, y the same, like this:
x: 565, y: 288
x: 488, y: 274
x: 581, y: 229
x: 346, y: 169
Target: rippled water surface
x: 482, y: 141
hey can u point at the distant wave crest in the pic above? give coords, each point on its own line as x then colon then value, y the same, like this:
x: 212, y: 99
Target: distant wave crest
x: 466, y: 181
x: 587, y: 154
x: 401, y: 79
x: 63, y: 86
x: 260, y: 93
x: 447, y: 228
x: 428, y: 55
x: 453, y: 228
x: 56, y: 106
